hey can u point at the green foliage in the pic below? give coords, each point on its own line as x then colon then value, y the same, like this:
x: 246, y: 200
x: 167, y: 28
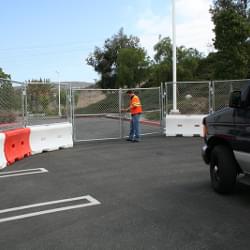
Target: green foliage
x: 39, y: 96
x: 153, y: 116
x: 104, y: 61
x: 232, y: 29
x: 122, y: 62
x: 63, y: 97
x: 206, y: 67
x: 161, y: 71
x: 163, y: 51
x: 4, y: 75
x: 7, y: 96
x: 188, y: 63
x: 132, y: 67
x: 8, y: 102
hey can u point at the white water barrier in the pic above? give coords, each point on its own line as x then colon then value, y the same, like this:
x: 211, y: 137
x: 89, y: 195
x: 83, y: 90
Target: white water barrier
x: 184, y: 125
x: 50, y: 137
x: 3, y: 161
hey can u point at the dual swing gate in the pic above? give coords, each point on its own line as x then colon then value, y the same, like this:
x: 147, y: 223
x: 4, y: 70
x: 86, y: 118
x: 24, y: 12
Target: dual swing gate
x: 97, y: 113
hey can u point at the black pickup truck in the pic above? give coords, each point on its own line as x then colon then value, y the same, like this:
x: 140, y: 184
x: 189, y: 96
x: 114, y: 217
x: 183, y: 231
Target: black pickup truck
x: 227, y: 142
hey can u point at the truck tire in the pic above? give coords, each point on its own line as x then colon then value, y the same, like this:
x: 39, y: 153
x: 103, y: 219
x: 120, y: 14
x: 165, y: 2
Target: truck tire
x: 223, y: 169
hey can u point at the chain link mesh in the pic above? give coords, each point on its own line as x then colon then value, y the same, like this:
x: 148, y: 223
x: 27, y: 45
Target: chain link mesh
x: 35, y: 103
x: 222, y: 90
x: 96, y: 101
x: 151, y: 112
x: 11, y: 104
x: 96, y: 114
x: 150, y: 100
x: 192, y: 97
x: 42, y: 103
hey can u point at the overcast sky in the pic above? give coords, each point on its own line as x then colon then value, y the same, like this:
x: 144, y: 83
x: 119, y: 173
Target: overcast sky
x: 40, y: 38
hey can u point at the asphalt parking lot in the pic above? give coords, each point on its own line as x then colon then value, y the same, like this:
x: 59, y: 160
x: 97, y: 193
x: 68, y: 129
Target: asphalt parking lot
x: 152, y: 195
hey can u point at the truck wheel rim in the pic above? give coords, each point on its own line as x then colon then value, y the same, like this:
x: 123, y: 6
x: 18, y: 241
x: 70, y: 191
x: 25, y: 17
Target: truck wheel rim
x: 216, y: 173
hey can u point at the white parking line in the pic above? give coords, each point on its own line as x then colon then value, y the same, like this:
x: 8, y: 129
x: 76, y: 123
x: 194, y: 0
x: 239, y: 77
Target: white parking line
x: 23, y: 172
x: 91, y: 202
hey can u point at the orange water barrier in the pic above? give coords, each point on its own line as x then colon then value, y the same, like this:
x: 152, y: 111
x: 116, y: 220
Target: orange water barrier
x: 17, y: 144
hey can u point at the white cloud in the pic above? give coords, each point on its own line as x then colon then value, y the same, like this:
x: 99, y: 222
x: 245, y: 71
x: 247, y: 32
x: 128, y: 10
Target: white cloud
x: 193, y: 26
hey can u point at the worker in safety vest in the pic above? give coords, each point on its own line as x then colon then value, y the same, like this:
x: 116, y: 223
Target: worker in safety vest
x: 135, y: 109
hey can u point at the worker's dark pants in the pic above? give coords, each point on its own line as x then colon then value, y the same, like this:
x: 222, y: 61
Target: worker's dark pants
x: 134, y: 133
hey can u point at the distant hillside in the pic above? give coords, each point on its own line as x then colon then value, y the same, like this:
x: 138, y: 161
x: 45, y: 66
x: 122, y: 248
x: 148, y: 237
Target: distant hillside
x: 78, y: 84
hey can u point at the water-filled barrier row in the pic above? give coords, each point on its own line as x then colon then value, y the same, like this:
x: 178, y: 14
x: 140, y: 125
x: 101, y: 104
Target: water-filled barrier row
x: 23, y: 142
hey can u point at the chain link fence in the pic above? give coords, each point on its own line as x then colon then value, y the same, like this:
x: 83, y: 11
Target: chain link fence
x: 150, y: 99
x: 96, y: 114
x: 221, y: 92
x: 24, y: 104
x: 11, y: 104
x: 42, y: 103
x: 201, y: 97
x: 192, y: 97
x: 151, y: 117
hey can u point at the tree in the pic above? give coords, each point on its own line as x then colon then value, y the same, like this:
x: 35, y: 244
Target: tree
x: 104, y: 61
x: 6, y: 93
x: 244, y: 3
x: 163, y: 51
x: 206, y: 67
x: 7, y: 96
x: 132, y: 65
x: 3, y: 75
x: 188, y: 63
x: 39, y: 96
x: 232, y: 29
x: 188, y: 60
x: 8, y: 102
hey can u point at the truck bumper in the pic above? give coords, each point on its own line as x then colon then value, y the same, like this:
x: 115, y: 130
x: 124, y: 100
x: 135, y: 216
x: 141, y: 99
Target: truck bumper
x: 205, y: 154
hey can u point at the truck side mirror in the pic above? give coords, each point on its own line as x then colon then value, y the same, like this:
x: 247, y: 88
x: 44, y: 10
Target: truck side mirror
x: 235, y: 99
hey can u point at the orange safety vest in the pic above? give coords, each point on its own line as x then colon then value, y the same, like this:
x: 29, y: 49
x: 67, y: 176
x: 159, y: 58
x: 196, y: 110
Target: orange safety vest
x: 135, y: 105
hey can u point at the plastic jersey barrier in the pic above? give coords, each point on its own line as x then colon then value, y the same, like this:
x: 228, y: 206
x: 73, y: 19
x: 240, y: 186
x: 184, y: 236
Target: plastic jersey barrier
x: 50, y: 137
x: 17, y: 144
x: 184, y: 125
x: 3, y: 161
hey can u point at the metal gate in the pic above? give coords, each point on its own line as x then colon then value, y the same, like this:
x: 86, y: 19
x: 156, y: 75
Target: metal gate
x: 97, y: 113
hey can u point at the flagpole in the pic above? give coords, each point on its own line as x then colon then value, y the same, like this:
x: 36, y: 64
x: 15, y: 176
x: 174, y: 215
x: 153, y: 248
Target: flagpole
x: 174, y: 110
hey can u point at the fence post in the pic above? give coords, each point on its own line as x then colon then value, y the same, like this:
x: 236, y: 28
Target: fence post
x: 24, y: 105
x: 120, y: 112
x: 166, y: 98
x: 73, y: 113
x: 210, y: 97
x: 213, y: 96
x: 70, y: 104
x: 163, y: 107
x: 161, y: 96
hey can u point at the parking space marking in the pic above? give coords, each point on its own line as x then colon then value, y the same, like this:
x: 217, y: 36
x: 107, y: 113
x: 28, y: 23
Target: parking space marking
x: 91, y: 202
x: 23, y: 172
